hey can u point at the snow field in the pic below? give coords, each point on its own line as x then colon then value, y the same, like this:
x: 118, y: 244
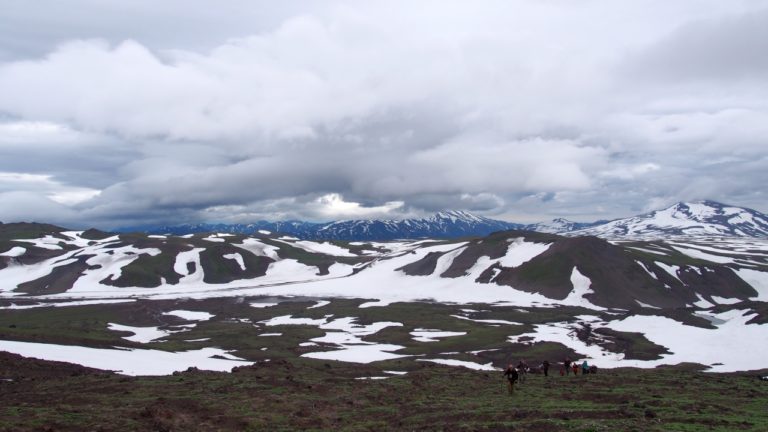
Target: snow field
x: 347, y: 336
x: 238, y: 259
x: 432, y: 335
x: 128, y: 361
x: 13, y: 252
x: 733, y: 346
x: 520, y: 251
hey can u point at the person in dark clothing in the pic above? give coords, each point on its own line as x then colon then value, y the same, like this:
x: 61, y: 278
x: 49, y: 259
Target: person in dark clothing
x: 567, y: 364
x: 522, y: 370
x: 512, y: 376
x: 545, y: 367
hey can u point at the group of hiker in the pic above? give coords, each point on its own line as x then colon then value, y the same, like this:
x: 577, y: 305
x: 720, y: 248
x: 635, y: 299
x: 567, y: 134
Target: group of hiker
x: 515, y: 374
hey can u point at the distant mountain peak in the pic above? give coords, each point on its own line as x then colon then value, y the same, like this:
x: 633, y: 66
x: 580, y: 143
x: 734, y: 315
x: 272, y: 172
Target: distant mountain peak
x: 705, y: 217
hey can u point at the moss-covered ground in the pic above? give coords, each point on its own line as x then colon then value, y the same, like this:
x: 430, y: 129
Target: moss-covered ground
x: 305, y: 394
x: 285, y: 391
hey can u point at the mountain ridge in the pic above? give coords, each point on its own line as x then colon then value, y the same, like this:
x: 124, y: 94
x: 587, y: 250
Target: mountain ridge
x: 697, y: 218
x: 704, y: 217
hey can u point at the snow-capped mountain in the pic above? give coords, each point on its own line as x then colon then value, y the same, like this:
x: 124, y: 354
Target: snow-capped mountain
x: 448, y: 224
x: 702, y: 218
x: 707, y: 218
x: 560, y: 226
x: 301, y: 229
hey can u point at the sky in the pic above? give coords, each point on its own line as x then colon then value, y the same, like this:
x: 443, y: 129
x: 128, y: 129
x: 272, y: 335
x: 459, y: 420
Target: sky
x: 122, y: 113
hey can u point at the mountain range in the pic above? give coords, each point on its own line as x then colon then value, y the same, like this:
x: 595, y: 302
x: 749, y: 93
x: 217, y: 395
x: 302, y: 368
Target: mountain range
x: 707, y: 218
x: 43, y: 260
x: 622, y: 302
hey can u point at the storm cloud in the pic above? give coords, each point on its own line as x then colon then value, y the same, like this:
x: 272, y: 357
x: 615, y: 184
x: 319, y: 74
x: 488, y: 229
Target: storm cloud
x: 138, y: 112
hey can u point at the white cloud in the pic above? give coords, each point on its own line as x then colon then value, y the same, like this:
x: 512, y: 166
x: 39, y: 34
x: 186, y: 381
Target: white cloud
x: 44, y: 186
x: 333, y: 206
x: 360, y: 109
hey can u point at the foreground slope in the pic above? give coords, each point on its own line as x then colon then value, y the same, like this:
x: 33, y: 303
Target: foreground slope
x: 320, y: 395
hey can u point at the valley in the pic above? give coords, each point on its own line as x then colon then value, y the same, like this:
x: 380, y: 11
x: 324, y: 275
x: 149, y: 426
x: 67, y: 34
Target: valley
x: 355, y: 323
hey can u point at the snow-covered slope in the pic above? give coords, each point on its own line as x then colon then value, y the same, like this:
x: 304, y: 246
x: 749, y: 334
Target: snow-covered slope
x: 500, y: 267
x: 703, y: 218
x: 676, y: 291
x: 560, y: 226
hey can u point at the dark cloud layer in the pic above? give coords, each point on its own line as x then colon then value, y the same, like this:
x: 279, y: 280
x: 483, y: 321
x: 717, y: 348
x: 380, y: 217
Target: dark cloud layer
x: 146, y: 112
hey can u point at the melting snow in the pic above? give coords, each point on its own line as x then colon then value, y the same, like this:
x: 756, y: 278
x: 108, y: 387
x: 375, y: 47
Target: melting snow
x: 319, y: 304
x: 258, y: 248
x: 263, y: 305
x: 238, y: 258
x: 702, y: 302
x: 521, y: 251
x: 214, y: 239
x: 65, y: 304
x: 190, y: 315
x: 348, y: 336
x: 733, y: 343
x: 652, y: 274
x: 487, y: 321
x: 14, y: 252
x: 695, y: 253
x: 723, y: 300
x: 758, y: 280
x: 581, y: 287
x: 127, y: 361
x: 671, y: 269
x: 466, y: 364
x: 140, y: 334
x: 430, y: 335
x: 646, y: 305
x: 322, y: 248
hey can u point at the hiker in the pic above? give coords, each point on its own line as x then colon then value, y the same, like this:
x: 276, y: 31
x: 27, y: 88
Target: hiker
x: 593, y: 369
x: 584, y: 368
x: 522, y: 370
x: 512, y: 376
x: 567, y: 365
x: 545, y: 367
x: 575, y: 368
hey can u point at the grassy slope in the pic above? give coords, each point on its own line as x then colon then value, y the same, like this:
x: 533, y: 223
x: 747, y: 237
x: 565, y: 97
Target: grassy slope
x: 303, y: 394
x: 294, y: 393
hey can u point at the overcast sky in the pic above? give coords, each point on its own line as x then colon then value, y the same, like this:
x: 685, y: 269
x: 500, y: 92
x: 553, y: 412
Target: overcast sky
x: 117, y: 113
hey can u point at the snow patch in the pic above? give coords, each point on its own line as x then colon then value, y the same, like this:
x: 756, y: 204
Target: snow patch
x: 521, y: 251
x: 238, y: 258
x: 581, y: 287
x: 128, y: 361
x: 15, y: 251
x: 190, y: 315
x: 430, y: 335
x: 140, y: 334
x: 671, y: 269
x: 461, y: 363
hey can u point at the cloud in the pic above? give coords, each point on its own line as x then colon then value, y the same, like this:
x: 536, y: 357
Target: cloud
x: 726, y: 47
x: 514, y: 109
